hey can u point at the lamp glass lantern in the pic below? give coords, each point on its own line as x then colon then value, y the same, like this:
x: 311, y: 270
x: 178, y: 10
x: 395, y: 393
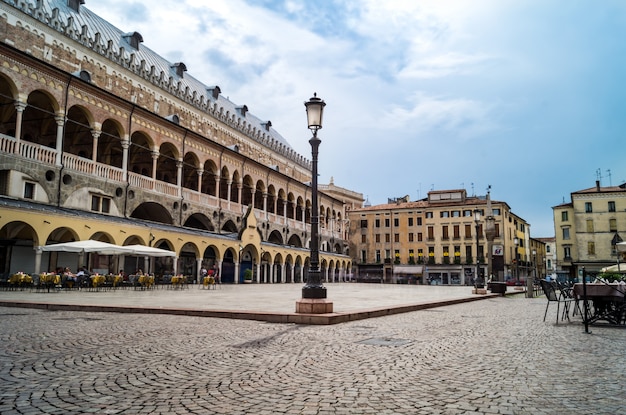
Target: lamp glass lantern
x: 315, y: 112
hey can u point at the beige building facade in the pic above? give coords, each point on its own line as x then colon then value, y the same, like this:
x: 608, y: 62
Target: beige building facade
x: 102, y: 138
x: 587, y: 228
x: 434, y: 240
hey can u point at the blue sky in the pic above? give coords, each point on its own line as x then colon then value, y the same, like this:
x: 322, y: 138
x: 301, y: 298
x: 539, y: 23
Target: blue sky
x: 527, y: 96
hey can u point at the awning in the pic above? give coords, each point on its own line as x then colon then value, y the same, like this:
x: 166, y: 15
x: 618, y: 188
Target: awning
x: 89, y: 245
x: 142, y: 250
x: 408, y: 269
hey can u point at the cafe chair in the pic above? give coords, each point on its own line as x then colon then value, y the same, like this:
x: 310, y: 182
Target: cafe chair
x: 555, y: 295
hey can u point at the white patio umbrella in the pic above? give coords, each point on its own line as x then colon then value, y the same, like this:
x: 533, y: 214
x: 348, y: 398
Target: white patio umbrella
x: 142, y: 250
x: 89, y: 245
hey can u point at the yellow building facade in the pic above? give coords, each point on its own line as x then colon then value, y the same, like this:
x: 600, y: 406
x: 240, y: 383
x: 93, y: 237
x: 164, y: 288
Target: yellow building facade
x: 433, y: 241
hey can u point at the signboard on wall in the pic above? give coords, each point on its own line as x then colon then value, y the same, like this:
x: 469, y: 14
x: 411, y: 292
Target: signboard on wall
x: 497, y: 250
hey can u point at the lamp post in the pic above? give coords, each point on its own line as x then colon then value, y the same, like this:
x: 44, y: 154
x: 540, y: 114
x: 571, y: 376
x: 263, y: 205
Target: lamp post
x: 314, y: 287
x: 478, y: 283
x: 516, y: 242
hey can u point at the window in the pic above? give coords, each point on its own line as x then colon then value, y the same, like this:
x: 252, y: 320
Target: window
x: 591, y: 248
x: 410, y: 221
x: 411, y: 236
x: 429, y: 215
x: 467, y: 213
x: 588, y: 207
x: 444, y: 214
x: 363, y: 223
x: 420, y: 237
x: 565, y: 233
x: 378, y: 255
x: 549, y: 264
x: 377, y: 238
x: 431, y: 233
x: 497, y: 228
x: 589, y: 225
x: 444, y: 231
x: 468, y: 231
x: 419, y: 221
x: 613, y: 225
x: 387, y: 254
x: 387, y: 222
x: 457, y: 231
x: 564, y: 216
x: 100, y: 204
x: 396, y: 237
x: 363, y: 256
x: 377, y: 223
x: 456, y: 213
x: 29, y: 190
x: 567, y: 251
x: 611, y: 206
x: 396, y: 255
x: 396, y: 222
x: 364, y: 239
x: 548, y: 248
x: 468, y: 252
x: 387, y: 238
x: 496, y: 212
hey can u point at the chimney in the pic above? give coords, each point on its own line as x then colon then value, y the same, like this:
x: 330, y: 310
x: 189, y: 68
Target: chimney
x: 598, y: 185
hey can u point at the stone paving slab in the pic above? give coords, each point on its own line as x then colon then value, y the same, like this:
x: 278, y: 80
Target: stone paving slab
x: 267, y: 302
x: 495, y: 356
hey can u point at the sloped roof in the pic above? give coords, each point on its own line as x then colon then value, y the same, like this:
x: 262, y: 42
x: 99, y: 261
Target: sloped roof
x: 92, y: 31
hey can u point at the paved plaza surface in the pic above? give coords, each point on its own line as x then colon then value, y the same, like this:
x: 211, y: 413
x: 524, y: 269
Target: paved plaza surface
x: 494, y: 356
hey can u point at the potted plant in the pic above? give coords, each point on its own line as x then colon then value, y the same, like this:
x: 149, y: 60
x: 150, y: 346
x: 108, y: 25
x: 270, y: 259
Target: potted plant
x: 247, y: 276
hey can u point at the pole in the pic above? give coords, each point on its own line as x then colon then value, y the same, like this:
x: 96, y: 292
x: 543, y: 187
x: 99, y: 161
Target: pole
x: 585, y: 302
x: 314, y: 287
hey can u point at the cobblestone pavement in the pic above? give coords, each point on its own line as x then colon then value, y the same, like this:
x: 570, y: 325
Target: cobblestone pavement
x: 491, y: 356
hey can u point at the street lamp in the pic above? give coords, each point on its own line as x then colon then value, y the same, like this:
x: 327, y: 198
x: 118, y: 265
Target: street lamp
x: 478, y: 283
x: 314, y: 287
x: 516, y: 243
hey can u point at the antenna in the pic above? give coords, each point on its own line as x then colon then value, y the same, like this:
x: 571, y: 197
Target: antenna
x: 608, y: 172
x: 473, y: 194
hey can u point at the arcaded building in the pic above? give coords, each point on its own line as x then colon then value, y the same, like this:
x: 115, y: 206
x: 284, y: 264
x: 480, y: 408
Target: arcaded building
x: 102, y: 138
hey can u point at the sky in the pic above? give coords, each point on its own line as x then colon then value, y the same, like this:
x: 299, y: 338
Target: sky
x: 525, y: 96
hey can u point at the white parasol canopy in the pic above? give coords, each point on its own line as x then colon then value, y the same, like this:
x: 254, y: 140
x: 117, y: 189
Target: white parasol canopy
x: 89, y: 245
x: 621, y: 246
x: 142, y: 250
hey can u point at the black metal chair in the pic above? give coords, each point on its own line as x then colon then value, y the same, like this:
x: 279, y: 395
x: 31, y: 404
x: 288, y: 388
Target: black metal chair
x: 555, y: 295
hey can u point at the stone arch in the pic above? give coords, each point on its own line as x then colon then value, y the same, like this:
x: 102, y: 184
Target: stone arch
x: 167, y: 170
x: 8, y: 112
x: 209, y: 178
x: 190, y: 171
x: 78, y: 139
x: 199, y: 221
x: 275, y: 237
x: 140, y: 154
x: 110, y: 150
x: 153, y: 212
x: 39, y: 125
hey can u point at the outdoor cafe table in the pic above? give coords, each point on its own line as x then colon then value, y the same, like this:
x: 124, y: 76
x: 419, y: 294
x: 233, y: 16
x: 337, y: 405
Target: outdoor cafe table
x: 607, y: 299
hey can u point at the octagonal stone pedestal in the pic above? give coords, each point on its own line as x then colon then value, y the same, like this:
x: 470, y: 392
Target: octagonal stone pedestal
x: 314, y: 306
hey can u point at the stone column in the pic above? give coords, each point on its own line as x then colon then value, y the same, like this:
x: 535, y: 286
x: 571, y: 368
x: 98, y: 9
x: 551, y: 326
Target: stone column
x: 199, y: 267
x: 200, y: 172
x: 125, y: 146
x: 19, y: 107
x: 60, y: 119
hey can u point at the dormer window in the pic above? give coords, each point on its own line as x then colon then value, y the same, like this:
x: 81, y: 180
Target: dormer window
x: 214, y: 91
x: 133, y: 39
x: 243, y: 110
x: 267, y: 125
x: 75, y: 4
x: 180, y: 69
